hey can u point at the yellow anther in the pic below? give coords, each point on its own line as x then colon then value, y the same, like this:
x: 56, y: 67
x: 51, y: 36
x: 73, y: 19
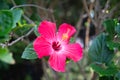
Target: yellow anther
x: 65, y: 35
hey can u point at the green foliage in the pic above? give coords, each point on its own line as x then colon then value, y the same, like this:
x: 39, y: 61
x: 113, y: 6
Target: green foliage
x: 72, y: 40
x: 6, y: 56
x: 6, y: 23
x: 3, y: 5
x: 110, y: 27
x: 104, y: 70
x: 8, y: 20
x: 17, y: 13
x: 113, y: 31
x: 29, y: 52
x: 36, y: 31
x: 99, y: 52
x: 117, y: 29
x: 103, y: 50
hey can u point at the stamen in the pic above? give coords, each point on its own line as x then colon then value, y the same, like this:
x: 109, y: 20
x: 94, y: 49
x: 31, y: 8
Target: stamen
x: 65, y: 35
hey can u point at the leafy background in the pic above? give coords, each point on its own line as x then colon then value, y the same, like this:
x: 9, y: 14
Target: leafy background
x: 95, y: 20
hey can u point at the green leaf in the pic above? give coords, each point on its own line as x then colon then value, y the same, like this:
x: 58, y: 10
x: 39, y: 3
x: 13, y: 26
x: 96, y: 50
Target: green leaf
x: 113, y: 45
x: 72, y: 40
x: 117, y: 29
x: 99, y: 52
x: 103, y: 70
x: 117, y: 76
x: 17, y: 13
x: 6, y: 23
x: 29, y: 52
x: 6, y: 56
x: 36, y: 31
x: 110, y: 26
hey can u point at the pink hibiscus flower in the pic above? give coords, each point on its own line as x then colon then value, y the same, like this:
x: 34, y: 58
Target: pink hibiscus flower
x: 56, y: 45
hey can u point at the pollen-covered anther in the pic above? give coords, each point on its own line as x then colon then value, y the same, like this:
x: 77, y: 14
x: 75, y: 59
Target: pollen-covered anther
x: 65, y: 35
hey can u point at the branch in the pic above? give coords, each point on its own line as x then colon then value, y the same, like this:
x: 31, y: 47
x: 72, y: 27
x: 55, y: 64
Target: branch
x: 88, y: 13
x: 116, y: 7
x: 18, y: 39
x: 31, y: 5
x: 78, y: 25
x: 104, y: 15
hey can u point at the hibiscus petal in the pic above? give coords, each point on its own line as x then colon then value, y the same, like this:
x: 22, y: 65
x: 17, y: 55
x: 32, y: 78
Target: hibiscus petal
x: 66, y: 31
x: 73, y: 51
x: 47, y: 29
x: 42, y: 47
x: 57, y: 62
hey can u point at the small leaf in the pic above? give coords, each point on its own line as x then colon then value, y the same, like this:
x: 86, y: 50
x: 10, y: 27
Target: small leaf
x: 17, y: 13
x: 72, y: 40
x: 36, y: 31
x: 110, y: 26
x: 113, y: 45
x: 99, y: 52
x: 6, y: 56
x: 6, y: 22
x: 29, y: 52
x: 103, y: 70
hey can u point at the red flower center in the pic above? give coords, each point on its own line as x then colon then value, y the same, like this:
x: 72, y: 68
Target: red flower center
x: 56, y: 46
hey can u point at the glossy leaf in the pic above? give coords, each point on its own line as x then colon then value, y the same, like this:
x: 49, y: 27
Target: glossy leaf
x: 17, y: 13
x: 29, y: 52
x: 6, y: 56
x: 99, y: 52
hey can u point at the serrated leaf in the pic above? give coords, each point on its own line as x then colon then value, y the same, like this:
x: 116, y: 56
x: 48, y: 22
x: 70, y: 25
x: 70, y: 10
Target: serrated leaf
x: 104, y: 71
x: 29, y: 52
x: 99, y: 52
x: 17, y: 13
x: 6, y: 56
x: 6, y: 23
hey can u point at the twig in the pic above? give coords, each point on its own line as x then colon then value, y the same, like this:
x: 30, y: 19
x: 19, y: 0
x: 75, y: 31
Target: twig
x: 31, y: 5
x: 104, y: 15
x: 18, y: 39
x: 113, y: 10
x: 25, y: 17
x: 87, y: 10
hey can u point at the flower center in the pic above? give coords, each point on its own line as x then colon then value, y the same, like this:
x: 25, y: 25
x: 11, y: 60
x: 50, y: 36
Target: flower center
x: 56, y: 46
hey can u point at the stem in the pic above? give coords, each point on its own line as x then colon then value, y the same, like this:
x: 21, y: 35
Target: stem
x: 31, y: 5
x: 88, y: 13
